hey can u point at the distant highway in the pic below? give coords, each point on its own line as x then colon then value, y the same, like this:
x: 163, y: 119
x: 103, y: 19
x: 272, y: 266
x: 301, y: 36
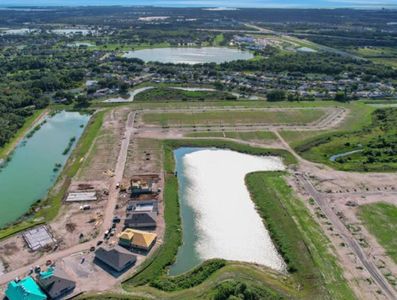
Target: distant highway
x: 260, y: 30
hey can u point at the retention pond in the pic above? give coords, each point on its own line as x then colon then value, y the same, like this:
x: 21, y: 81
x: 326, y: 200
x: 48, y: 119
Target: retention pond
x: 36, y: 163
x: 219, y: 220
x: 186, y: 55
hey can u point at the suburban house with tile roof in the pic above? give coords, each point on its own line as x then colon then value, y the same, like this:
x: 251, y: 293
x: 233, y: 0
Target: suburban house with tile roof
x: 138, y: 239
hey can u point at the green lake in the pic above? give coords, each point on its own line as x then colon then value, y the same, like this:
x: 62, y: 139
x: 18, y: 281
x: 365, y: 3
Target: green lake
x: 30, y: 173
x: 187, y: 257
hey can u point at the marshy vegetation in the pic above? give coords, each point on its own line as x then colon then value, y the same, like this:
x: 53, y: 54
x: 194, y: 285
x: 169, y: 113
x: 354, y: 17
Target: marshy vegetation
x: 69, y: 146
x: 371, y: 148
x: 35, y: 129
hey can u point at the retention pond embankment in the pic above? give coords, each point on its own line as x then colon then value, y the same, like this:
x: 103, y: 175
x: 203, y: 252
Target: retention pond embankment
x: 36, y: 163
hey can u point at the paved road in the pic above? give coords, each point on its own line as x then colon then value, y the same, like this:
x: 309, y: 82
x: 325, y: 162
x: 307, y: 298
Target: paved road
x: 366, y: 261
x: 108, y: 213
x: 260, y: 30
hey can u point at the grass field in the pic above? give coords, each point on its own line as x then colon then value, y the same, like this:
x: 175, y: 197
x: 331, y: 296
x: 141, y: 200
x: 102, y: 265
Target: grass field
x: 278, y: 286
x: 299, y: 116
x: 299, y: 238
x: 318, y: 146
x: 380, y: 55
x: 359, y: 117
x: 51, y: 205
x: 375, y: 142
x: 260, y: 136
x: 218, y: 40
x: 381, y: 221
x: 220, y: 103
x: 161, y: 94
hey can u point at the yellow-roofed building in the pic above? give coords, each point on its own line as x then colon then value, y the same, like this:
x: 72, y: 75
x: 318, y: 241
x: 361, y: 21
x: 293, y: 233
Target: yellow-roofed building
x: 137, y: 239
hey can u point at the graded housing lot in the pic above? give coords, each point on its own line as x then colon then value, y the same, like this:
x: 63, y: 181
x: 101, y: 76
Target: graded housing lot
x: 326, y: 266
x: 237, y: 117
x: 99, y: 162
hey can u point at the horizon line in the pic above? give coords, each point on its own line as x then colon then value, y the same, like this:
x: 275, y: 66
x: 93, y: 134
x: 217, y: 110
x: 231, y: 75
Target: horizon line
x: 35, y: 6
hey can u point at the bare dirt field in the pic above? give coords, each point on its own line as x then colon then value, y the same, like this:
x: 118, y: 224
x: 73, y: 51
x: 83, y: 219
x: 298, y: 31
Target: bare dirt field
x: 331, y: 181
x: 144, y: 157
x: 359, y: 278
x: 14, y: 252
x: 76, y: 226
x: 101, y: 159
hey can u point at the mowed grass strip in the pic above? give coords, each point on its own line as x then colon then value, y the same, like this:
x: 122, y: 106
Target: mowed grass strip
x: 359, y: 117
x: 161, y: 94
x: 381, y: 221
x: 299, y: 239
x: 291, y: 117
x: 267, y: 284
x: 244, y: 136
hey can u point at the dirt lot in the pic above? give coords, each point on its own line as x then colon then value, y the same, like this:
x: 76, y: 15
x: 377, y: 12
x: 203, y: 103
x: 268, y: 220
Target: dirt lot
x: 345, y: 191
x: 144, y: 157
x: 76, y: 226
x: 101, y: 159
x: 348, y: 214
x: 15, y: 253
x: 354, y: 272
x: 331, y: 181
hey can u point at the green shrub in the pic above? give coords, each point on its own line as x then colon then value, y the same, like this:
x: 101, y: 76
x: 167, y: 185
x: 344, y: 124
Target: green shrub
x: 189, y: 279
x: 237, y: 290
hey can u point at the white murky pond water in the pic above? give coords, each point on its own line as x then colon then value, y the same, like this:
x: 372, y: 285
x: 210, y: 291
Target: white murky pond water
x: 226, y: 224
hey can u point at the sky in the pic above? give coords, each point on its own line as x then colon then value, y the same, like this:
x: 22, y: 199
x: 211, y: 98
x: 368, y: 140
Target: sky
x: 375, y: 4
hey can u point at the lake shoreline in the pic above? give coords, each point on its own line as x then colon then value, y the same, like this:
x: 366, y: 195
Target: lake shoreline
x: 33, y: 163
x: 19, y: 136
x: 206, y: 234
x: 189, y: 55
